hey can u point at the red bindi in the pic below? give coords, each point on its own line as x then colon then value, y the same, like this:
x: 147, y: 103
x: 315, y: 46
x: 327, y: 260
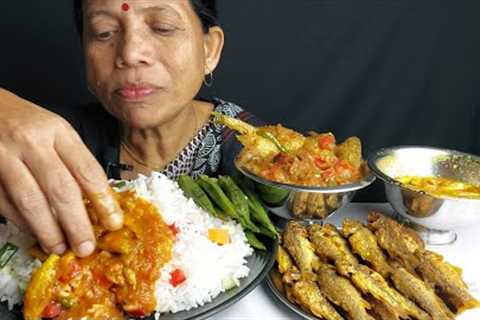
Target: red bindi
x: 125, y: 7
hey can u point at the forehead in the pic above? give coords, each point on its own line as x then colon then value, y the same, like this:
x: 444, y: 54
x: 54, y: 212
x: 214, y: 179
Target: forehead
x: 182, y: 8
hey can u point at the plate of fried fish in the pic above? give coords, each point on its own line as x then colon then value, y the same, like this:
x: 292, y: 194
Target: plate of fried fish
x: 379, y: 270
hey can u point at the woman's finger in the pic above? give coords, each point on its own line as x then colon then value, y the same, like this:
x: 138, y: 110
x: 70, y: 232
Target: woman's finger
x: 92, y: 179
x: 28, y: 199
x: 64, y: 196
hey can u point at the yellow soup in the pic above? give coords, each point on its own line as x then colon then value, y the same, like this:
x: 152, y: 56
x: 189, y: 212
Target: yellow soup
x: 441, y: 187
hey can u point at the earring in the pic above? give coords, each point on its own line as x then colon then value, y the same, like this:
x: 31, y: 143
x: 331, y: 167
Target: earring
x: 91, y: 91
x: 208, y: 80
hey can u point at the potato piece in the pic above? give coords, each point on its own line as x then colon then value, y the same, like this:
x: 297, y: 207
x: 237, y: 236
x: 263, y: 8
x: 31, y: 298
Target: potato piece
x: 351, y: 151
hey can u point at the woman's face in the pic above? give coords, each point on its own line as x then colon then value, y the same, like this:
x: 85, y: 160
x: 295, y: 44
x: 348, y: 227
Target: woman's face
x: 146, y: 59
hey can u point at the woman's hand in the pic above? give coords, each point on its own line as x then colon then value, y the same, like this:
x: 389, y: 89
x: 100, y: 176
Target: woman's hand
x: 44, y: 167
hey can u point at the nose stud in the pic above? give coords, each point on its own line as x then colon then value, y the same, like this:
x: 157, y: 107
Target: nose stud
x: 125, y: 7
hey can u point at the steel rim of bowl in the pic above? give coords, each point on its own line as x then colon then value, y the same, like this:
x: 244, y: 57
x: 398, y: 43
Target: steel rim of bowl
x: 366, y: 181
x: 381, y: 153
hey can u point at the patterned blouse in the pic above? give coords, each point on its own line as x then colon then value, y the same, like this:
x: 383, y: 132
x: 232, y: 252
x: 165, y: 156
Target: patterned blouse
x: 211, y: 151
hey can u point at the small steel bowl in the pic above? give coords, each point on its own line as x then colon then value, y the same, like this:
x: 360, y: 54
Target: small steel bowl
x: 434, y: 217
x: 304, y: 202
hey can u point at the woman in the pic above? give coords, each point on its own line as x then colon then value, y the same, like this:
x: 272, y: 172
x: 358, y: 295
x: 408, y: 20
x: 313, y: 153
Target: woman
x: 145, y: 62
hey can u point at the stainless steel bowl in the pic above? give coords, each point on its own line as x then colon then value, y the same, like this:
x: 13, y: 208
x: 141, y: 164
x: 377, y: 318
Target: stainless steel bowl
x: 435, y: 217
x: 309, y: 203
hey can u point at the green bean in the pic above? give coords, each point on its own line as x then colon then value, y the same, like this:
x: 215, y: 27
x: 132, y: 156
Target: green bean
x: 6, y: 253
x: 253, y: 240
x: 267, y: 232
x: 193, y: 190
x: 211, y: 187
x: 239, y: 200
x: 257, y: 210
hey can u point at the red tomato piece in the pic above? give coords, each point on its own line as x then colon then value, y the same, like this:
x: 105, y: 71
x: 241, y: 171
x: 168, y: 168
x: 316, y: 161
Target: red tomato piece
x: 70, y: 272
x: 137, y: 313
x: 326, y: 141
x: 173, y: 229
x: 177, y: 277
x: 52, y: 310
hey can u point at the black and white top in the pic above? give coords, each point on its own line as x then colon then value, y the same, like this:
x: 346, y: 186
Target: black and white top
x: 211, y: 151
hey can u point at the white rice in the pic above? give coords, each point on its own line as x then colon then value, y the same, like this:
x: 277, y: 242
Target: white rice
x: 205, y: 264
x: 15, y: 275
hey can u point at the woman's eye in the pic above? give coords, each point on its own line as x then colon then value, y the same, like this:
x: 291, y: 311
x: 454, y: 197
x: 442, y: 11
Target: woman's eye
x: 164, y: 30
x: 103, y: 36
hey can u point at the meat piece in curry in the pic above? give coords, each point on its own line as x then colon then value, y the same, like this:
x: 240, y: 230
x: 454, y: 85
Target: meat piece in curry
x: 119, y: 277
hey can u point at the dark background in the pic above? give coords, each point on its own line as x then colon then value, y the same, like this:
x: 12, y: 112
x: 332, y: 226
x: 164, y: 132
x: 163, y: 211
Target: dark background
x: 390, y: 71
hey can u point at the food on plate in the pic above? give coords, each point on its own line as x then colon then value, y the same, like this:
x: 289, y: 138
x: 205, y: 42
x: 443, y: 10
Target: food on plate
x: 170, y: 256
x: 363, y: 243
x: 341, y: 292
x: 122, y: 272
x: 225, y: 198
x: 308, y: 296
x: 418, y: 291
x: 382, y: 282
x: 398, y: 241
x: 441, y: 187
x: 280, y: 154
x: 447, y: 279
x: 331, y: 247
x: 370, y: 282
x: 295, y: 240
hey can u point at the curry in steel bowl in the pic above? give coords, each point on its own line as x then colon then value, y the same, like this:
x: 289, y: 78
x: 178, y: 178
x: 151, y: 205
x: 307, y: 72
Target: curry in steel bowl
x: 313, y: 175
x: 285, y: 156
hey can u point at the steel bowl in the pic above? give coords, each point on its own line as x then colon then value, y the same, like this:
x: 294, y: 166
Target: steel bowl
x: 435, y: 217
x: 304, y: 202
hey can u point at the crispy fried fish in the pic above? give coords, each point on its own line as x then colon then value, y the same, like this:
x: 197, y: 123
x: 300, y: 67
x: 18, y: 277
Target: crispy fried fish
x: 342, y: 293
x: 283, y: 259
x: 295, y: 240
x: 364, y: 244
x: 380, y: 311
x: 308, y: 296
x: 330, y: 246
x: 447, y: 279
x: 415, y: 289
x: 400, y: 242
x: 371, y: 282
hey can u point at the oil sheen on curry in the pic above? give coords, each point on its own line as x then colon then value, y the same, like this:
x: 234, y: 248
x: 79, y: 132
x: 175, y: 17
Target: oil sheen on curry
x: 441, y: 187
x: 118, y: 278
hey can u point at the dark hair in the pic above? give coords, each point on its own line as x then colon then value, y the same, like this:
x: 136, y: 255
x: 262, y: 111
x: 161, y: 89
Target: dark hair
x: 206, y: 10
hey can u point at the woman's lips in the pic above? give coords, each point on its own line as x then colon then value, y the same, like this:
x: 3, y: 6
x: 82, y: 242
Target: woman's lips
x: 135, y: 93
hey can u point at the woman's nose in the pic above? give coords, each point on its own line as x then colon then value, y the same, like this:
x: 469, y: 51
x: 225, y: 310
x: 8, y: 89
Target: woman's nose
x: 135, y: 50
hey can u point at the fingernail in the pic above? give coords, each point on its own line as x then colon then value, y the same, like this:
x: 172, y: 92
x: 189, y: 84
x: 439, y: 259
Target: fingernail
x: 59, y: 249
x: 115, y: 221
x: 85, y: 248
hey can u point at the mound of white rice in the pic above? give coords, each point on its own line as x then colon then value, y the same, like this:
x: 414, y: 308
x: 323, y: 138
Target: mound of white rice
x: 15, y: 275
x: 206, y: 265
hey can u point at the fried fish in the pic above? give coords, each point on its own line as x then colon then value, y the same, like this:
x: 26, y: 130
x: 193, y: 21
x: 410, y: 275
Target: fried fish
x: 308, y: 296
x: 342, y: 293
x: 447, y: 279
x: 331, y: 247
x: 365, y: 244
x: 416, y: 290
x: 295, y: 240
x: 401, y: 243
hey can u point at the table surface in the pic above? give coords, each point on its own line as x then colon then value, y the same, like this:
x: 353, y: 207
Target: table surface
x: 262, y: 304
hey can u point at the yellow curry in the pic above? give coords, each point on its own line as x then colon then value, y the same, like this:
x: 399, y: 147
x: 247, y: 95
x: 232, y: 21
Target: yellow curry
x: 119, y: 277
x: 441, y: 187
